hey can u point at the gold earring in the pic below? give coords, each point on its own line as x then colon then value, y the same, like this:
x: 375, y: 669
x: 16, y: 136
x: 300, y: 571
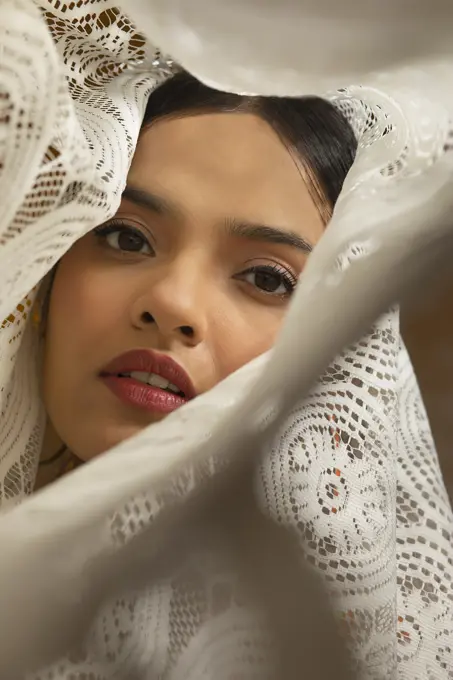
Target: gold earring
x: 36, y: 316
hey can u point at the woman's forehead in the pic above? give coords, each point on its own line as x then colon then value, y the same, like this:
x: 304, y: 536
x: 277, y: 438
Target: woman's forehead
x: 222, y: 162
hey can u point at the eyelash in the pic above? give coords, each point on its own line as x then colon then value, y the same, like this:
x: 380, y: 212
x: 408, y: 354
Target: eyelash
x: 117, y: 226
x: 287, y: 278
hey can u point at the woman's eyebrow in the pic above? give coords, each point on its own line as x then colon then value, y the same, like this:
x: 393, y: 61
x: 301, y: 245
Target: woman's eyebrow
x: 263, y: 232
x: 150, y: 201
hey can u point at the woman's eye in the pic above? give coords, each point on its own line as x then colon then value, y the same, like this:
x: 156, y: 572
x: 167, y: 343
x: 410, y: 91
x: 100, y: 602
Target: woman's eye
x: 273, y: 280
x: 128, y: 240
x: 124, y: 238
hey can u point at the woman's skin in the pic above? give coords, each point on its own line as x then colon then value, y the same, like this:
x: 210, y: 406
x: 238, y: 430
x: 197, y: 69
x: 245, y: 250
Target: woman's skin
x: 208, y: 197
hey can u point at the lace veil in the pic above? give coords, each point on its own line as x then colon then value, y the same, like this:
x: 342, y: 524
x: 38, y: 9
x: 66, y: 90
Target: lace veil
x: 348, y: 460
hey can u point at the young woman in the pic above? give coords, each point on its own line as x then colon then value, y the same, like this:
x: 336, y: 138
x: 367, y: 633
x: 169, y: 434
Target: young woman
x: 191, y: 279
x: 225, y: 199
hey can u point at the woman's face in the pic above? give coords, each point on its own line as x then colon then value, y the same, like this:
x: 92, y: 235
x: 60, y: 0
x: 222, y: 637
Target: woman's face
x: 189, y: 281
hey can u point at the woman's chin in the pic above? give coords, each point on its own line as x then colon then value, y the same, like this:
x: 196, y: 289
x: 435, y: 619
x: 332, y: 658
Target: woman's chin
x: 103, y: 441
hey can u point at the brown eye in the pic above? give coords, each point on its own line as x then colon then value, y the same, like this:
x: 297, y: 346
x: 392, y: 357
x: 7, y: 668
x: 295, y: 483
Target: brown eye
x: 124, y: 238
x: 269, y: 282
x: 270, y: 279
x: 127, y: 240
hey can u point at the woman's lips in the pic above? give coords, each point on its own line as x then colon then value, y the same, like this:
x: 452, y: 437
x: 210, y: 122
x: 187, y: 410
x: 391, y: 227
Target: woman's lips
x: 116, y: 376
x: 144, y: 396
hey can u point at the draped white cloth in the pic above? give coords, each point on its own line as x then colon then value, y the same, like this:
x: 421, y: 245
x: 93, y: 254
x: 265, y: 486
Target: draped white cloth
x: 352, y: 466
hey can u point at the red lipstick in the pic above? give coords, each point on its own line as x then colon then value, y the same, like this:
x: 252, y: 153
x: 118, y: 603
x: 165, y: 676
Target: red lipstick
x: 150, y: 381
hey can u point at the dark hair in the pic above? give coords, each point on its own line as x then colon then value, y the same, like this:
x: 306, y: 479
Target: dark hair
x: 311, y: 127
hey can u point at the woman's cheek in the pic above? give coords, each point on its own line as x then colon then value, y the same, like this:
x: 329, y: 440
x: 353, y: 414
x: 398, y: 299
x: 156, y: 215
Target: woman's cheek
x: 88, y: 301
x: 240, y: 338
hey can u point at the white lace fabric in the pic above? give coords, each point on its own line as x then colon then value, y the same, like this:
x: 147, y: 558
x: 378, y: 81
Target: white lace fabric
x: 352, y: 469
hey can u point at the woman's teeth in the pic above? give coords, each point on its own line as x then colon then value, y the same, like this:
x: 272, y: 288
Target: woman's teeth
x: 153, y: 380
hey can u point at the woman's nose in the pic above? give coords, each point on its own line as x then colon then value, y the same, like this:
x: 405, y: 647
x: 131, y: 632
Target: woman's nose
x: 174, y: 303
